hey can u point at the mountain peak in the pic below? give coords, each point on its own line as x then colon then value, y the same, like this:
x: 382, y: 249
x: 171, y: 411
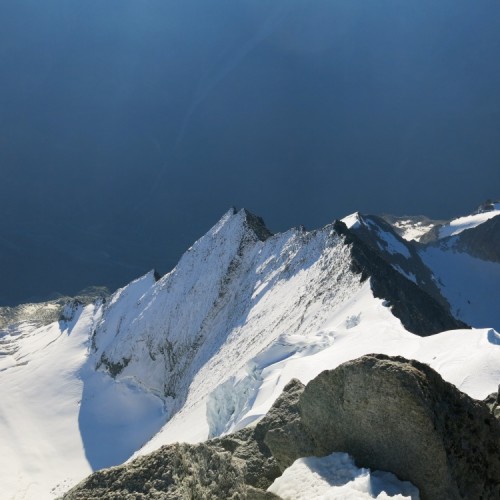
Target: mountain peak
x: 257, y: 224
x: 245, y: 218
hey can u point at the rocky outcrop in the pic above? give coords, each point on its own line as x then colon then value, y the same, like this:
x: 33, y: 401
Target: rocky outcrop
x: 402, y: 255
x: 257, y: 225
x: 177, y: 471
x: 418, y: 311
x: 282, y: 429
x: 401, y: 416
x: 493, y: 403
x: 389, y: 413
x: 238, y: 466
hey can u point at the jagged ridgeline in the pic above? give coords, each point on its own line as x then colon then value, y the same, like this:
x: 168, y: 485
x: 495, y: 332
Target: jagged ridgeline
x: 205, y: 351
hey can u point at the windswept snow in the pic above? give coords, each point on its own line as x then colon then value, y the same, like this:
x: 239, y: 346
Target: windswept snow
x: 352, y: 221
x: 336, y: 477
x: 456, y: 226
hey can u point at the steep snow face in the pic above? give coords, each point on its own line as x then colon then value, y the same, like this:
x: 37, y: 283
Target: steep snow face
x: 152, y: 332
x: 352, y: 221
x: 359, y: 325
x: 230, y: 296
x: 456, y: 226
x: 470, y: 285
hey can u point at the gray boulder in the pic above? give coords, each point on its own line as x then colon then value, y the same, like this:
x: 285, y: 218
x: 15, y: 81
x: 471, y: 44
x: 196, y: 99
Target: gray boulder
x: 282, y: 428
x: 400, y: 416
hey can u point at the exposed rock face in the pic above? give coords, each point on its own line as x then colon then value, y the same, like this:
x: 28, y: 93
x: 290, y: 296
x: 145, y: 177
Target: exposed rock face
x: 253, y: 456
x: 282, y: 428
x: 177, y: 471
x: 257, y: 225
x: 419, y: 312
x: 400, y: 416
x: 238, y: 466
x: 493, y: 403
x: 389, y: 413
x: 482, y: 241
x: 432, y: 235
x: 400, y: 254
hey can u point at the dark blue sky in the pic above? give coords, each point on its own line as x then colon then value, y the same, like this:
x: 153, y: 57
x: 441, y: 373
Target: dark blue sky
x: 128, y: 127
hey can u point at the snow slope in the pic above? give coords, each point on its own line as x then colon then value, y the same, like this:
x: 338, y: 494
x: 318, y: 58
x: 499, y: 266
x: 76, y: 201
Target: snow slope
x: 59, y: 418
x: 421, y: 227
x: 470, y: 285
x: 456, y: 226
x: 470, y: 359
x: 230, y: 297
x: 206, y: 350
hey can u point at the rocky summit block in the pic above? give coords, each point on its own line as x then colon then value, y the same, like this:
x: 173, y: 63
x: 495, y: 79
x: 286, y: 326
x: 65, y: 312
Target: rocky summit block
x: 400, y: 416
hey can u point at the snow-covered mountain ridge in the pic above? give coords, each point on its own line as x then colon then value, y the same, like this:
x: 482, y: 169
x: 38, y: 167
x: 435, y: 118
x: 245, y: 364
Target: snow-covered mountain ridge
x: 461, y: 270
x: 231, y: 296
x: 207, y: 348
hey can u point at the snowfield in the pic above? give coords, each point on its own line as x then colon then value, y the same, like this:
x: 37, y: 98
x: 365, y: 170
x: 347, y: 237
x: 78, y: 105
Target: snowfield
x: 456, y: 226
x: 337, y: 477
x: 208, y: 348
x: 470, y: 285
x: 59, y: 418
